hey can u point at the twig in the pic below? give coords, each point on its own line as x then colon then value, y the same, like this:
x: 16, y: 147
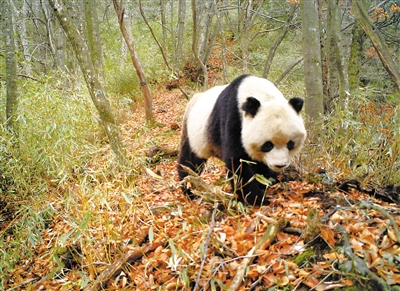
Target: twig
x: 30, y: 77
x: 201, y: 186
x: 366, y: 205
x: 361, y: 266
x: 155, y: 37
x: 26, y: 282
x: 260, y: 216
x: 117, y: 266
x: 210, y: 231
x: 266, y: 239
x: 221, y: 264
x: 326, y: 217
x: 288, y: 70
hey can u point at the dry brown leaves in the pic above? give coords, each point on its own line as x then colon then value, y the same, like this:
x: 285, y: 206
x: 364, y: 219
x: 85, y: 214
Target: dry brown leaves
x: 196, y: 250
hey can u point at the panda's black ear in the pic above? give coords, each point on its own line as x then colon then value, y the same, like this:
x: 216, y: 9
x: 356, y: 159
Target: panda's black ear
x: 297, y: 103
x: 251, y: 106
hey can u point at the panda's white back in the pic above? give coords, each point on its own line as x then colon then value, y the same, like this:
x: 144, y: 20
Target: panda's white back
x: 203, y: 104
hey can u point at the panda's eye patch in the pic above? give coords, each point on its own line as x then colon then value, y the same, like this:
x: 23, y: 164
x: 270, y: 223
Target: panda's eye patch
x: 267, y: 147
x: 290, y: 145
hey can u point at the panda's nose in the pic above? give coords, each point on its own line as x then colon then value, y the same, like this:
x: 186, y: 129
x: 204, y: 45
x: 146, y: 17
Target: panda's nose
x: 280, y: 166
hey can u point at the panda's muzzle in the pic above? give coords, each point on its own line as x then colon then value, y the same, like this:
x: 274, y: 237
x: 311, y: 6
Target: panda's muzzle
x: 277, y: 159
x: 280, y: 166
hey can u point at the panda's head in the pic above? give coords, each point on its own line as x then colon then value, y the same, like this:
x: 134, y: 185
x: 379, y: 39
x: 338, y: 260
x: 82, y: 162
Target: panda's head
x: 273, y: 131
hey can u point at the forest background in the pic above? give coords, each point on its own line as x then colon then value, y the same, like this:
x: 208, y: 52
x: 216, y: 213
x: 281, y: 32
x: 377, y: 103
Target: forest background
x: 92, y: 98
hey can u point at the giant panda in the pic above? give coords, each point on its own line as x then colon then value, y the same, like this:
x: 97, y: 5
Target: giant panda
x: 249, y: 125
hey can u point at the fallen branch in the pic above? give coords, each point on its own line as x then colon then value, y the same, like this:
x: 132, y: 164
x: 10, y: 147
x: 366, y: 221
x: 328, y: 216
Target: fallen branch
x: 116, y: 267
x: 26, y: 282
x: 260, y: 216
x: 200, y: 186
x: 361, y: 266
x: 366, y: 205
x: 262, y: 244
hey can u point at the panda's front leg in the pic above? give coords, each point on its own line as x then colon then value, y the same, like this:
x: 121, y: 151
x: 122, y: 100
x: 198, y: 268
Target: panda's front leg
x: 243, y: 181
x: 189, y: 159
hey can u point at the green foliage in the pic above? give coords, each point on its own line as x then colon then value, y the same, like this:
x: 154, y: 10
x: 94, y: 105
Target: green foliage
x: 361, y: 142
x: 121, y: 75
x: 305, y: 257
x: 123, y: 81
x: 56, y: 136
x: 26, y: 234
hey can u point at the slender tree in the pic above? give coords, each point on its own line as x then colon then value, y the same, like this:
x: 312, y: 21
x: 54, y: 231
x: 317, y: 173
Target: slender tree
x: 174, y: 64
x: 337, y: 70
x: 164, y: 26
x: 11, y: 67
x: 180, y: 34
x: 23, y: 36
x: 356, y: 56
x: 223, y: 45
x: 288, y: 70
x: 93, y: 36
x: 163, y: 48
x: 127, y: 34
x: 278, y: 40
x: 199, y: 35
x: 249, y: 11
x: 362, y: 18
x: 206, y: 27
x: 96, y: 90
x: 314, y: 105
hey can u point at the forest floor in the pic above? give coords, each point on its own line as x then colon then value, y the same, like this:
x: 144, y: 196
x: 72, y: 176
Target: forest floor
x: 139, y: 232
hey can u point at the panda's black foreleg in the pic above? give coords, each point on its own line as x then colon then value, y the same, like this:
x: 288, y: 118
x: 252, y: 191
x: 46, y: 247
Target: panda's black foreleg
x: 246, y: 187
x: 192, y: 161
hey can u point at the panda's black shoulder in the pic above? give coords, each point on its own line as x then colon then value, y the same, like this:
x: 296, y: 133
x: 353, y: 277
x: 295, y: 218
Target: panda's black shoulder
x: 229, y: 94
x: 236, y: 82
x: 225, y: 122
x: 226, y: 106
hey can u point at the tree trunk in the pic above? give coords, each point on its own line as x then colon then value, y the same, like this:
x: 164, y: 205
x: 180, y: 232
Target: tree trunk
x: 164, y: 27
x: 93, y: 36
x: 213, y: 29
x: 96, y: 90
x: 58, y: 44
x: 362, y: 18
x: 179, y: 59
x: 356, y: 57
x: 223, y: 47
x: 206, y: 27
x: 127, y: 34
x: 336, y: 65
x: 11, y: 67
x: 160, y: 46
x: 248, y: 14
x: 278, y: 40
x: 24, y: 40
x: 198, y: 39
x: 314, y: 104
